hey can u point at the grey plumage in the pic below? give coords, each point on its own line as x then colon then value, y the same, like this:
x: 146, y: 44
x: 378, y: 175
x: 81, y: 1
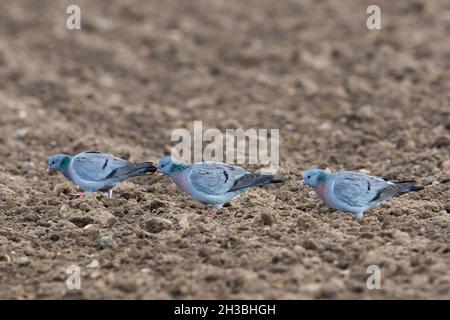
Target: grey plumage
x: 97, y: 171
x: 360, y: 190
x: 212, y: 182
x: 353, y: 191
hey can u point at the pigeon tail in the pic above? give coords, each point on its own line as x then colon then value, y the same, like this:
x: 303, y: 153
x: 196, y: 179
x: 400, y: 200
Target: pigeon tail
x: 254, y: 180
x: 396, y: 188
x: 276, y: 179
x: 132, y: 170
x: 407, y: 186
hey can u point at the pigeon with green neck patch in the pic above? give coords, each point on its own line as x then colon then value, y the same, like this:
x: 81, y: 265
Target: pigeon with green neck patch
x: 95, y: 171
x: 354, y: 192
x: 212, y: 183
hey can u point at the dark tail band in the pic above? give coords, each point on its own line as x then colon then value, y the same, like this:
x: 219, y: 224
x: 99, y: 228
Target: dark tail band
x: 132, y: 170
x: 254, y: 180
x: 408, y: 186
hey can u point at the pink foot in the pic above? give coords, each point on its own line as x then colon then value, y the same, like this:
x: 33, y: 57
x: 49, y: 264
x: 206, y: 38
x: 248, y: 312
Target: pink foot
x: 79, y: 194
x: 214, y: 213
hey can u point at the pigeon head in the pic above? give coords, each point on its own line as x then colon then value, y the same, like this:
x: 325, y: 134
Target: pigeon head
x: 58, y: 162
x: 169, y: 165
x: 313, y: 176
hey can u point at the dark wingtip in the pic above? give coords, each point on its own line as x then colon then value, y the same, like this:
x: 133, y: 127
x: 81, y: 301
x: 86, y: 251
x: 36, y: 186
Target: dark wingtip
x: 412, y: 185
x: 277, y: 180
x: 150, y: 167
x: 416, y: 188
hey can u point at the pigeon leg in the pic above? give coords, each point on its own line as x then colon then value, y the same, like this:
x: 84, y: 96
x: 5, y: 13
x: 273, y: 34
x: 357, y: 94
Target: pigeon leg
x: 359, y: 215
x: 214, y: 213
x: 110, y: 192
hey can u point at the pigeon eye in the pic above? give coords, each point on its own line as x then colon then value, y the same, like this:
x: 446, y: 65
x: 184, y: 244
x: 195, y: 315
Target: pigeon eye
x: 309, y: 177
x: 53, y: 162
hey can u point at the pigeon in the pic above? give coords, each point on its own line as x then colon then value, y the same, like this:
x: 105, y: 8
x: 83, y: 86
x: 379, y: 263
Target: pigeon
x: 212, y: 183
x: 355, y: 192
x: 96, y: 171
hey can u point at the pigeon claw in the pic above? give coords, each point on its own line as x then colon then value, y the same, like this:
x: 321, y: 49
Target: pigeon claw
x: 156, y: 173
x: 214, y: 213
x: 79, y: 194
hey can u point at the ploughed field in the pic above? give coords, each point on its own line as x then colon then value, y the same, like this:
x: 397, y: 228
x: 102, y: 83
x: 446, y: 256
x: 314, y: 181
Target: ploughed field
x: 342, y: 96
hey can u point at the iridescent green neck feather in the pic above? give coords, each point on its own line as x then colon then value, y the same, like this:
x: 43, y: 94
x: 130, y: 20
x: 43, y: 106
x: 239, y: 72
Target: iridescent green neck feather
x: 177, y: 167
x: 323, y: 177
x: 64, y: 163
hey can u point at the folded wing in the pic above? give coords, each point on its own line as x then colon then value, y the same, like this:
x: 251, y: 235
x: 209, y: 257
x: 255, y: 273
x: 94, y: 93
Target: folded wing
x: 357, y: 189
x: 96, y: 166
x: 215, y: 178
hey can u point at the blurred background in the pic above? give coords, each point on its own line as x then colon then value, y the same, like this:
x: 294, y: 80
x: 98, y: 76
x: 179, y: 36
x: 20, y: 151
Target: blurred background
x: 342, y: 96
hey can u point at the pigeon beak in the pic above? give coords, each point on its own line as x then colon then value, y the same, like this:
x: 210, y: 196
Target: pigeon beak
x: 50, y: 170
x: 156, y: 172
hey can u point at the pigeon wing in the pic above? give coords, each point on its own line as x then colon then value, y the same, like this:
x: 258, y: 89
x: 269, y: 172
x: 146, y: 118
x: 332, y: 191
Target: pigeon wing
x: 96, y: 166
x: 251, y: 180
x: 357, y: 189
x: 214, y: 178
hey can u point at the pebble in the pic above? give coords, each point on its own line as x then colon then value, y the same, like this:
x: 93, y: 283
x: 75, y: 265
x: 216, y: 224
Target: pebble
x: 156, y: 225
x: 23, y: 261
x: 401, y: 236
x: 21, y: 133
x: 105, y: 241
x: 333, y: 287
x: 309, y: 245
x: 94, y: 264
x: 267, y: 218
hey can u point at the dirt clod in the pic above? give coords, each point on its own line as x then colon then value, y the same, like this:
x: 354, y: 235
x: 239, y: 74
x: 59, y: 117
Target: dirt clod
x: 343, y: 97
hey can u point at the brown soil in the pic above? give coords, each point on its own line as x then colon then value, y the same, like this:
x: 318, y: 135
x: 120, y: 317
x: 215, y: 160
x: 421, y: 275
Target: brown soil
x: 342, y: 96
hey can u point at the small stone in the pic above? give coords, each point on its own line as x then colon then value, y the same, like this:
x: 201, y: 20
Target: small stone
x: 31, y: 217
x: 80, y: 221
x: 23, y: 261
x: 156, y: 225
x: 27, y: 167
x: 267, y: 218
x: 183, y: 222
x: 290, y: 127
x: 54, y: 237
x: 312, y: 289
x: 126, y: 286
x: 111, y: 222
x: 446, y: 166
x: 401, y: 236
x: 441, y: 142
x: 343, y: 264
x: 372, y: 258
x: 366, y: 112
x: 6, y: 193
x: 94, y: 264
x: 63, y: 210
x: 366, y: 235
x: 333, y: 287
x: 105, y: 241
x: 21, y: 133
x: 146, y: 270
x: 102, y: 216
x: 309, y: 245
x: 329, y: 257
x: 156, y: 204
